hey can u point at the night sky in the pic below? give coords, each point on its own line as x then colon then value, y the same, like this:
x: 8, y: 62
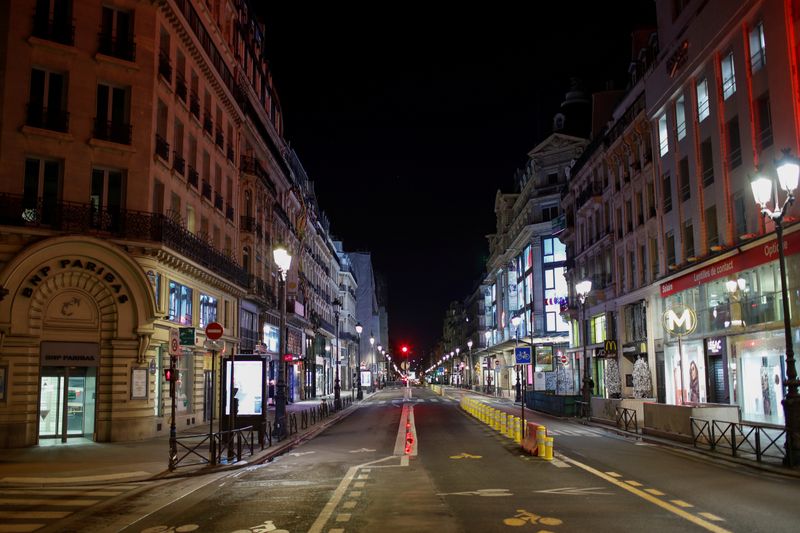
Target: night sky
x: 409, y: 120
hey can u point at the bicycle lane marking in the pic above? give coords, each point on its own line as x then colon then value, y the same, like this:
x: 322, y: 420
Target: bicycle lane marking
x: 649, y: 497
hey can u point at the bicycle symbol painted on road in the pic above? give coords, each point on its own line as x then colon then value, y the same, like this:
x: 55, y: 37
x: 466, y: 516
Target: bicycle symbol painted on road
x: 186, y: 528
x: 265, y: 527
x: 465, y: 455
x: 524, y: 517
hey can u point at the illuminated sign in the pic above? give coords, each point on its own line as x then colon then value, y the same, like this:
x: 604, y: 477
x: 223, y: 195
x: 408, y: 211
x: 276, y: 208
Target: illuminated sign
x: 680, y: 320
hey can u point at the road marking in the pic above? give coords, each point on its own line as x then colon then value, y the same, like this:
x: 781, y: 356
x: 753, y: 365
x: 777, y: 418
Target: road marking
x: 60, y: 503
x: 359, y: 484
x: 613, y: 474
x: 300, y: 454
x: 367, y: 470
x: 363, y: 476
x: 343, y: 517
x: 654, y: 492
x: 337, y: 530
x: 362, y: 450
x: 37, y: 515
x: 650, y: 498
x: 574, y: 491
x: 681, y: 503
x: 713, y: 517
x: 489, y: 493
x: 19, y: 528
x: 465, y: 455
x: 558, y: 463
x: 77, y: 479
x: 633, y: 483
x: 63, y: 492
x: 355, y: 494
x: 349, y: 505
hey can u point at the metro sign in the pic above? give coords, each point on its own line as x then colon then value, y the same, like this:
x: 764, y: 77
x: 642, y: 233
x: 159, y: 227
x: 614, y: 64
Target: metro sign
x: 680, y: 320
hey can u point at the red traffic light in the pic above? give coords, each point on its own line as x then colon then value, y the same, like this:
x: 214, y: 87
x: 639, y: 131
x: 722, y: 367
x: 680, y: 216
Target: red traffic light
x: 404, y: 349
x: 170, y: 374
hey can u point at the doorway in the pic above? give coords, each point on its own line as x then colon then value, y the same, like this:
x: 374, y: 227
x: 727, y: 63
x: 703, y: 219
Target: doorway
x: 67, y: 399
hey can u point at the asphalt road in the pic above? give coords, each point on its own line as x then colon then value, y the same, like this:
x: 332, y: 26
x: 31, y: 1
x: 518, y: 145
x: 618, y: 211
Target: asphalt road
x: 356, y: 477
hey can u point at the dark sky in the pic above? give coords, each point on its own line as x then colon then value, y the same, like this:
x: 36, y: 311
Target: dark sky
x: 410, y: 119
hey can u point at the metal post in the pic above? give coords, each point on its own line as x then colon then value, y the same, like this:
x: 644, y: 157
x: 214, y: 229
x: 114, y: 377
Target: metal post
x: 586, y: 371
x: 360, y: 394
x: 337, y: 387
x: 211, y: 439
x: 791, y: 403
x: 279, y: 431
x: 232, y: 424
x: 173, y: 443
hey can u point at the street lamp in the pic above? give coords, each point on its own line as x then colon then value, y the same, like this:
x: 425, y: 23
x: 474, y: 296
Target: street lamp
x: 583, y: 288
x: 359, y: 329
x: 488, y: 336
x: 469, y: 367
x: 283, y: 260
x: 788, y: 174
x: 337, y: 384
x: 516, y: 320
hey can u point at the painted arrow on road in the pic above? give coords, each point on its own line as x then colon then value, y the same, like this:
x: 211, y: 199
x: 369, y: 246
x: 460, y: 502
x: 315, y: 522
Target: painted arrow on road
x: 574, y: 491
x: 362, y: 450
x: 489, y: 493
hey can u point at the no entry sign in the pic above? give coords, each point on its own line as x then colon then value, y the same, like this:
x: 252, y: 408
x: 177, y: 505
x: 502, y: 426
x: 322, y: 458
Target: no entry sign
x: 214, y: 331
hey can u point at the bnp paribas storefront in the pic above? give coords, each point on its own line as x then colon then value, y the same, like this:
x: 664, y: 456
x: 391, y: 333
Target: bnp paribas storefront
x: 735, y: 351
x: 75, y: 341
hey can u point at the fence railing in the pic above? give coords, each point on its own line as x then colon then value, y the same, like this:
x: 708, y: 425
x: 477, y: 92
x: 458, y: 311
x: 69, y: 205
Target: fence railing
x: 626, y: 419
x: 760, y: 441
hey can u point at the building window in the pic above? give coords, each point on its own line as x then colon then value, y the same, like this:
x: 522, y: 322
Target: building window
x: 52, y: 20
x: 669, y: 238
x: 758, y: 47
x: 528, y: 257
x: 728, y: 76
x: 667, y: 191
x: 651, y: 199
x: 683, y: 176
x: 112, y: 118
x: 653, y: 259
x: 712, y: 233
x: 688, y: 239
x: 702, y: 100
x: 734, y: 143
x: 208, y: 310
x: 248, y: 331
x: 41, y: 190
x: 116, y: 34
x: 549, y: 212
x: 554, y: 250
x: 680, y: 117
x: 47, y: 101
x: 764, y: 121
x: 555, y: 288
x: 707, y: 158
x: 106, y: 198
x: 740, y: 214
x: 663, y: 139
x: 180, y: 303
x: 598, y: 324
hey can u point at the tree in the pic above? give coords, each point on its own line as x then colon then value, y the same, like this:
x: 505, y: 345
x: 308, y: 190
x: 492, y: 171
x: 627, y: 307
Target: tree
x: 613, y: 380
x: 642, y: 382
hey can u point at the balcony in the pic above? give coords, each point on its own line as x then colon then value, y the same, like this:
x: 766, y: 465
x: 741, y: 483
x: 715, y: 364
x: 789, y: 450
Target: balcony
x: 47, y: 119
x: 194, y: 177
x: 120, y: 48
x: 164, y: 66
x: 117, y: 132
x: 261, y: 290
x: 178, y: 163
x: 219, y: 202
x: 180, y: 87
x: 162, y: 147
x: 58, y: 31
x: 85, y: 219
x: 251, y: 165
x: 206, y: 190
x: 247, y: 224
x: 194, y: 106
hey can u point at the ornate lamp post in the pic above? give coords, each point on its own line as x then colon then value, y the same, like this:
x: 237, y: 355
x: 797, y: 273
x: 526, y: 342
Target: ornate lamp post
x: 488, y: 336
x: 337, y: 386
x: 469, y: 365
x: 359, y: 329
x: 788, y: 173
x: 583, y: 289
x: 283, y: 260
x: 515, y: 321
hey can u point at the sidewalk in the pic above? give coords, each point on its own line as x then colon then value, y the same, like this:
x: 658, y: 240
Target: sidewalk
x: 508, y: 406
x: 96, y: 463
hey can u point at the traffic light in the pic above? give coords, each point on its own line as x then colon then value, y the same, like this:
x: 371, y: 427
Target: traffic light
x: 404, y: 349
x: 170, y: 374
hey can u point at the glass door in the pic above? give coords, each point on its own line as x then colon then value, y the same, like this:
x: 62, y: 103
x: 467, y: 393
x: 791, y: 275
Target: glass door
x: 51, y: 405
x: 67, y: 402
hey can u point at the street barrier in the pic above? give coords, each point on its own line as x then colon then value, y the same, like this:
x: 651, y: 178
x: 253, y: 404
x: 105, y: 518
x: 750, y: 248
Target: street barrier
x: 548, y: 448
x: 762, y: 441
x: 541, y: 435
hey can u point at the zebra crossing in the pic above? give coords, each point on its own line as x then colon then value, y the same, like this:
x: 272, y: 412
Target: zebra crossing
x: 400, y: 401
x: 23, y: 510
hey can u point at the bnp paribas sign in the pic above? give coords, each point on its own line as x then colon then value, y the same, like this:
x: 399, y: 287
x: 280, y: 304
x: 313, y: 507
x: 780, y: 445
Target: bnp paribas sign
x: 680, y: 320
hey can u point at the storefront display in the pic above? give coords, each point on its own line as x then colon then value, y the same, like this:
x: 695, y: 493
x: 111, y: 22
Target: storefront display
x: 689, y: 386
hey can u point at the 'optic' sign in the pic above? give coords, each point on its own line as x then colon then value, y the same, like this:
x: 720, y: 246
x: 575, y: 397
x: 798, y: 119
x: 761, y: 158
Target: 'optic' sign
x: 680, y: 320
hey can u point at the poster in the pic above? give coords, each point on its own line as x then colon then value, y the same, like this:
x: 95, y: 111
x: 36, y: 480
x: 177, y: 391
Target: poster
x: 139, y: 384
x: 544, y: 358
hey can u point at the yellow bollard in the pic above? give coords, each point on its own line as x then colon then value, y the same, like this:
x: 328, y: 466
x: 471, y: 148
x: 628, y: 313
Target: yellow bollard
x: 503, y: 423
x: 541, y: 435
x: 517, y: 430
x: 496, y: 420
x: 548, y: 447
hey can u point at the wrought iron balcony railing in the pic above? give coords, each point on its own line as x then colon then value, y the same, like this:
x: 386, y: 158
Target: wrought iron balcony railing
x: 194, y: 177
x: 85, y: 219
x: 194, y: 106
x: 115, y: 47
x: 178, y: 163
x: 218, y: 201
x: 59, y: 31
x: 164, y: 66
x: 162, y: 147
x: 48, y: 119
x: 112, y: 131
x: 180, y: 86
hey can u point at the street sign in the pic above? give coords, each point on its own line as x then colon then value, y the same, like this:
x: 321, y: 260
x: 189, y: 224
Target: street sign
x: 214, y: 331
x: 523, y: 355
x: 564, y: 359
x: 187, y: 336
x: 174, y: 342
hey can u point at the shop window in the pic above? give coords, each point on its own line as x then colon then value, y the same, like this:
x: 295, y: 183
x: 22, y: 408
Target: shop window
x: 248, y: 330
x: 702, y: 100
x: 680, y: 118
x: 554, y: 250
x: 528, y: 257
x: 180, y: 303
x: 728, y: 76
x: 758, y: 48
x: 598, y: 326
x: 208, y: 310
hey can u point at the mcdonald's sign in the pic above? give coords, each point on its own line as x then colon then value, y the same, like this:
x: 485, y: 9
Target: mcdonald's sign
x: 610, y: 347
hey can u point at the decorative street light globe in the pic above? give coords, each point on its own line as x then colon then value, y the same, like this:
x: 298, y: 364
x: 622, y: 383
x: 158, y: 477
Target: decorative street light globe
x: 282, y: 258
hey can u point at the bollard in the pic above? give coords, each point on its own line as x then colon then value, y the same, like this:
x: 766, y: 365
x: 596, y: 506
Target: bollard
x: 516, y: 432
x: 548, y: 448
x: 541, y: 435
x: 503, y: 424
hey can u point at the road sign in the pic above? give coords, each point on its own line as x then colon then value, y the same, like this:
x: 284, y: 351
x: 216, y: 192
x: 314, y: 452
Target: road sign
x: 564, y: 359
x: 214, y: 331
x: 523, y: 355
x: 174, y: 342
x: 187, y: 336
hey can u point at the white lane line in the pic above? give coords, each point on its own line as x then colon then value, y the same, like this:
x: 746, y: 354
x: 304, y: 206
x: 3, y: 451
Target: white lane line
x: 366, y: 470
x: 343, y: 517
x: 613, y: 474
x: 55, y: 503
x: 650, y: 498
x: 363, y: 476
x: 681, y: 503
x: 654, y: 492
x: 355, y: 494
x: 34, y: 515
x: 713, y: 517
x: 359, y: 484
x: 19, y: 528
x: 633, y: 483
x: 349, y: 505
x: 558, y: 463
